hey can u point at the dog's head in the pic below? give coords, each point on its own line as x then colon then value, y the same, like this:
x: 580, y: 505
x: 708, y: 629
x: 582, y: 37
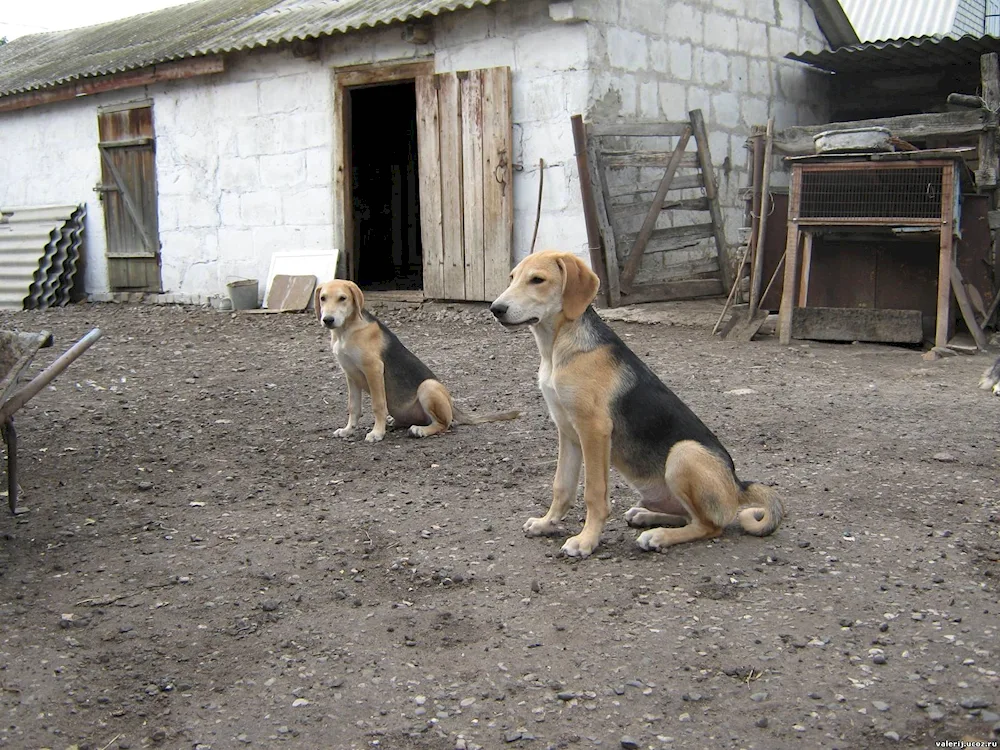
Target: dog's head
x: 338, y: 302
x: 544, y: 286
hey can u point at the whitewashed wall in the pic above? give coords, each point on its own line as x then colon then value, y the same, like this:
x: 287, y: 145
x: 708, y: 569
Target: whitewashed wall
x: 245, y: 158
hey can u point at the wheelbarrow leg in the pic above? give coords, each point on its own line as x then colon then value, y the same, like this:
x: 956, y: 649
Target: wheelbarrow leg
x: 10, y: 439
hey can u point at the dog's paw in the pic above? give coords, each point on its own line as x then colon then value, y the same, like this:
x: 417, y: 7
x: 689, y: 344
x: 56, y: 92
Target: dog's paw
x: 636, y: 516
x: 417, y: 431
x: 649, y: 541
x: 343, y: 432
x: 374, y: 436
x: 541, y: 527
x: 579, y: 546
x: 390, y: 421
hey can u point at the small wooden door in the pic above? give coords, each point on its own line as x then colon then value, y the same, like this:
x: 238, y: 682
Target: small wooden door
x: 128, y: 191
x: 465, y: 137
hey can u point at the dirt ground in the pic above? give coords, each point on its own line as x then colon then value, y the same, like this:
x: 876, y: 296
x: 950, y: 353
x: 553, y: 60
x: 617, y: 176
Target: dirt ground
x: 203, y: 565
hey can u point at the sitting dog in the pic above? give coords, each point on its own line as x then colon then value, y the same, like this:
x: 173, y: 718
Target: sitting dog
x: 991, y: 379
x: 402, y: 388
x: 612, y: 410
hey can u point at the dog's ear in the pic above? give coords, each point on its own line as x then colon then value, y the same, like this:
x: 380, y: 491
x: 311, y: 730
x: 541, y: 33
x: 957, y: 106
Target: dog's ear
x: 580, y: 285
x: 316, y: 306
x: 358, y: 296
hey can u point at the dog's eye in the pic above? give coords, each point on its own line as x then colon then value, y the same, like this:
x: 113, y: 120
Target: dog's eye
x: 536, y: 280
x: 322, y: 298
x: 342, y: 298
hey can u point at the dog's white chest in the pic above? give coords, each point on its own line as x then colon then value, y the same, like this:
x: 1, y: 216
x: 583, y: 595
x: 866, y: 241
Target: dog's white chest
x: 547, y: 385
x: 350, y: 361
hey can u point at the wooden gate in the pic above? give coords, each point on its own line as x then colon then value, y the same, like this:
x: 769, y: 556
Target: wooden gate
x: 128, y: 190
x: 464, y: 136
x: 653, y: 206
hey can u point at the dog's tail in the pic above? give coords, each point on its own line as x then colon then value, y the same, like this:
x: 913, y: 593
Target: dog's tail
x: 991, y: 379
x: 460, y: 417
x: 765, y: 510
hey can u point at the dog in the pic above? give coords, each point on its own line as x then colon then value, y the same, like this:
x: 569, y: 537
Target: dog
x: 991, y: 379
x: 403, y: 389
x: 612, y: 410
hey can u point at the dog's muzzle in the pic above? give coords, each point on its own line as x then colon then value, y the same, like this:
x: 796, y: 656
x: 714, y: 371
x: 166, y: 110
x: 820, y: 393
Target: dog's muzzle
x: 330, y: 322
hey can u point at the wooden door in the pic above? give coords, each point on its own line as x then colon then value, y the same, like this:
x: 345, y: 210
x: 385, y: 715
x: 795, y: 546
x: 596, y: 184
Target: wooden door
x: 128, y: 191
x: 465, y: 137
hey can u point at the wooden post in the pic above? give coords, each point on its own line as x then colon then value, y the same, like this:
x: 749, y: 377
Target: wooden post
x: 765, y: 208
x: 943, y: 325
x: 807, y: 256
x: 791, y: 260
x: 986, y: 175
x: 589, y: 203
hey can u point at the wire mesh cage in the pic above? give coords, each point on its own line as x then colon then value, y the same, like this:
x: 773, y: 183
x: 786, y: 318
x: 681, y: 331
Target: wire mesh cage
x: 872, y: 193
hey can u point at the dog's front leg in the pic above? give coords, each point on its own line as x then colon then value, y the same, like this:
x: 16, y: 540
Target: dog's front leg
x: 563, y: 488
x: 596, y: 443
x: 354, y: 394
x: 375, y: 373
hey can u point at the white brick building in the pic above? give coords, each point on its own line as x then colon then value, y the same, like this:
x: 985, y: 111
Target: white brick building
x: 256, y: 123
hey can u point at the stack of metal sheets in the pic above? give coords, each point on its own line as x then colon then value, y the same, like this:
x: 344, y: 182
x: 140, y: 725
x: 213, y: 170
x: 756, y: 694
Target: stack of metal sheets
x: 39, y: 255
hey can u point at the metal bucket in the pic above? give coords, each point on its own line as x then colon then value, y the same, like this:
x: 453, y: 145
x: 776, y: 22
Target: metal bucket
x: 243, y: 294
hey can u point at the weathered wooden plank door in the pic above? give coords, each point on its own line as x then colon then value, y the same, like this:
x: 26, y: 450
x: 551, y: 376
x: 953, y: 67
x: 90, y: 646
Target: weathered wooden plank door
x: 465, y: 137
x: 128, y: 191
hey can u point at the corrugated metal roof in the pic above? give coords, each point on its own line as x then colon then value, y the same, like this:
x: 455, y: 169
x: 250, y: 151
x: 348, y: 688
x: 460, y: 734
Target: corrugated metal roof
x: 39, y: 253
x: 879, y: 20
x: 200, y: 28
x: 902, y: 55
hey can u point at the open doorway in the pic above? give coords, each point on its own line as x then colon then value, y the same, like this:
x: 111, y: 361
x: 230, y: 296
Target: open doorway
x: 384, y: 186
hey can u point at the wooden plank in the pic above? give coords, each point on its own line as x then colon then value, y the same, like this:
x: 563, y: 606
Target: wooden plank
x: 671, y: 238
x: 367, y: 74
x: 429, y: 158
x: 673, y: 290
x: 450, y: 113
x: 498, y: 183
x: 610, y: 226
x: 637, y: 129
x: 942, y: 328
x: 646, y: 159
x: 857, y: 324
x: 799, y: 139
x: 472, y: 189
x: 791, y: 260
x: 958, y: 286
x: 708, y: 172
x: 625, y: 211
x: 637, y: 248
x: 590, y: 208
x: 986, y: 174
x: 636, y: 190
x: 762, y: 200
x: 168, y: 71
x: 807, y: 255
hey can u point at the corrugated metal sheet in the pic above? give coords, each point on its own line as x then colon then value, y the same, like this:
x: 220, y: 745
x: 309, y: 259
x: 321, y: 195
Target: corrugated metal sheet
x: 39, y: 253
x: 902, y: 55
x: 880, y: 20
x: 200, y: 28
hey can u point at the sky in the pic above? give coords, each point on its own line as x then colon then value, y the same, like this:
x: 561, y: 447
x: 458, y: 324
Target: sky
x: 20, y: 17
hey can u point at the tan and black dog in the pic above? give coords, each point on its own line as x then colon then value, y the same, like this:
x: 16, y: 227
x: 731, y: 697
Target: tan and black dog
x: 402, y: 387
x: 612, y: 410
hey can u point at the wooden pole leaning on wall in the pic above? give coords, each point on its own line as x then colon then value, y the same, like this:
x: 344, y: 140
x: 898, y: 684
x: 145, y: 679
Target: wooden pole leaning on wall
x: 765, y: 208
x: 594, y: 244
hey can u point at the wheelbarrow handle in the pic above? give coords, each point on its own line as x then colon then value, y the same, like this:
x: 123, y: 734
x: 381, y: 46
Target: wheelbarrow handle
x: 46, y: 376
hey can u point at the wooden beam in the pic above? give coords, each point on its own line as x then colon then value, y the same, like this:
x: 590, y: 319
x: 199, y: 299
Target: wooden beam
x: 764, y: 207
x: 672, y: 290
x: 958, y: 286
x: 942, y: 328
x: 639, y: 246
x: 857, y: 324
x: 168, y: 71
x: 637, y: 129
x: 791, y: 260
x: 986, y: 174
x: 799, y: 139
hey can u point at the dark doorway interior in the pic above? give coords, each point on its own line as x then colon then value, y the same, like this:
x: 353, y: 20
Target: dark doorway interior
x: 384, y: 180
